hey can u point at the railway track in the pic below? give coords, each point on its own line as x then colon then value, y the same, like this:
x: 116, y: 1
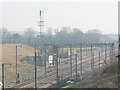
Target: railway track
x: 48, y: 79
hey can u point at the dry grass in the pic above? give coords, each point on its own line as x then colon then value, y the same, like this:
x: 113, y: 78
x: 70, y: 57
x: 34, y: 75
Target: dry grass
x: 9, y: 56
x: 107, y: 77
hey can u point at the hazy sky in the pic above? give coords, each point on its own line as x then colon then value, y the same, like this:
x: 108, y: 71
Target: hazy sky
x: 17, y: 16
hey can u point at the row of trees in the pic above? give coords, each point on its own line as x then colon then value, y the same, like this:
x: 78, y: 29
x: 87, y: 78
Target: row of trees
x: 64, y: 35
x: 26, y: 38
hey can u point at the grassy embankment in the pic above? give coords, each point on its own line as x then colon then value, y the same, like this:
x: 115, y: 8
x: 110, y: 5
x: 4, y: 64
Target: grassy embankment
x: 9, y: 56
x: 106, y: 77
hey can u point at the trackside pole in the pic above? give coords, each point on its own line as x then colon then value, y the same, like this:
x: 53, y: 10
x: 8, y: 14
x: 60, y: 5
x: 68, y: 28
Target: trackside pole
x: 45, y: 58
x: 112, y: 50
x: 3, y: 76
x: 76, y: 65
x: 105, y: 56
x: 53, y: 55
x: 93, y: 61
x: 86, y: 50
x: 56, y: 60
x: 71, y: 60
x: 91, y: 57
x: 99, y: 59
x: 35, y: 70
x: 81, y: 59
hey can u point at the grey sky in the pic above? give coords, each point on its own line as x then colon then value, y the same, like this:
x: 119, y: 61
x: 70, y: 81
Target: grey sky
x: 18, y: 16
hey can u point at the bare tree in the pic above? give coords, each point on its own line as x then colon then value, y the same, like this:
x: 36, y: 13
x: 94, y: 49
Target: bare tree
x: 17, y: 38
x: 93, y: 35
x: 29, y: 36
x: 49, y: 36
x: 5, y: 35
